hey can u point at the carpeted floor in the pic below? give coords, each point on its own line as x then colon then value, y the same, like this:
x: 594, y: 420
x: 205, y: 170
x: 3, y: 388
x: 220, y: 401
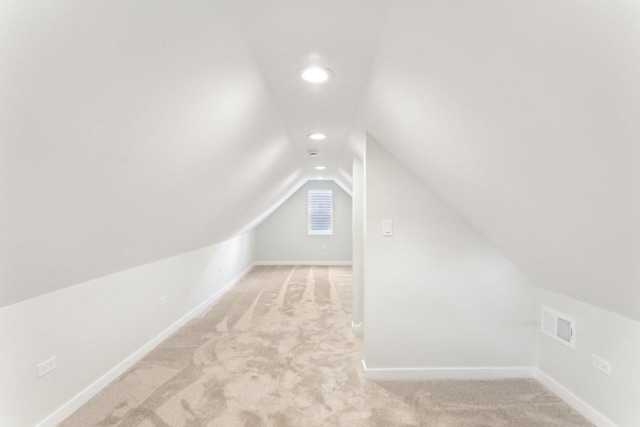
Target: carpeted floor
x: 277, y: 350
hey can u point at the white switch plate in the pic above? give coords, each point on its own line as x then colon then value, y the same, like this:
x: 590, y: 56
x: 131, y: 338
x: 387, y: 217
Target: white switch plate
x: 601, y: 364
x: 387, y: 227
x: 46, y: 366
x: 162, y: 300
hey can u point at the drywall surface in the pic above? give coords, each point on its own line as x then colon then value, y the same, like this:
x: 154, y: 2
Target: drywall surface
x: 436, y: 293
x: 358, y: 239
x: 93, y: 326
x: 523, y: 117
x: 609, y: 336
x: 129, y: 133
x: 341, y: 35
x: 283, y: 236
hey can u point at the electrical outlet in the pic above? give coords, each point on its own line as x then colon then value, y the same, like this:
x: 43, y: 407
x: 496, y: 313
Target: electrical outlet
x: 220, y: 268
x: 601, y: 364
x: 46, y: 366
x: 162, y: 300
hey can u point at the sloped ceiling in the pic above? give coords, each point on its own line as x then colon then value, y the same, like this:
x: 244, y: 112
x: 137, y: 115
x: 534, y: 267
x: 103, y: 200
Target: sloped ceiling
x: 524, y: 116
x: 133, y: 131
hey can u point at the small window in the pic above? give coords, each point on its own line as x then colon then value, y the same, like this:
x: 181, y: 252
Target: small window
x: 320, y: 211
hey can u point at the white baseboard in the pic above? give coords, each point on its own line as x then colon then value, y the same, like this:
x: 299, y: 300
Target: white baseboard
x: 83, y: 397
x: 303, y: 263
x: 423, y: 374
x: 356, y: 327
x: 572, y: 400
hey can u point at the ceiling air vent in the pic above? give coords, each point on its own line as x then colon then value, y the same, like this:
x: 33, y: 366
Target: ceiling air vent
x: 559, y: 326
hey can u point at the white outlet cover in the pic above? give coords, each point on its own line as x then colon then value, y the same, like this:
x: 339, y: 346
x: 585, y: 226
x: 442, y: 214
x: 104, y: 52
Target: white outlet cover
x: 46, y: 366
x: 601, y: 365
x: 162, y: 300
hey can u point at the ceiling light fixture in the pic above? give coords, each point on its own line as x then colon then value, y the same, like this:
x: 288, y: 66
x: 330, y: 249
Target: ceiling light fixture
x: 313, y: 153
x: 321, y: 168
x: 317, y: 136
x: 321, y: 177
x: 316, y: 75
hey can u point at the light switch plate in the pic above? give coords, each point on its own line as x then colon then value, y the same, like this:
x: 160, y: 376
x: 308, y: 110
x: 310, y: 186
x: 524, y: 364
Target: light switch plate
x: 387, y: 227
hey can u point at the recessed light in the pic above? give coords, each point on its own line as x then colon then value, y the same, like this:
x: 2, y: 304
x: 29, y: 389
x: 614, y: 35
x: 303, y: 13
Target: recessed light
x: 321, y: 177
x: 321, y: 168
x: 317, y: 136
x: 316, y: 75
x: 313, y: 153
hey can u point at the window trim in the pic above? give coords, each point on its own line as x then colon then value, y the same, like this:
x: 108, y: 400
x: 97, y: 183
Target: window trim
x: 327, y: 211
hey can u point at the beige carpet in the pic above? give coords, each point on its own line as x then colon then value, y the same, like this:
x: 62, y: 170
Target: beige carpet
x: 277, y: 350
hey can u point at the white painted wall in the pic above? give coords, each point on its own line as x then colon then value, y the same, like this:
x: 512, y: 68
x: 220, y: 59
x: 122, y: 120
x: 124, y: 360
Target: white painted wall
x: 283, y: 236
x: 610, y: 336
x: 94, y: 326
x: 523, y: 117
x: 437, y: 294
x: 358, y: 241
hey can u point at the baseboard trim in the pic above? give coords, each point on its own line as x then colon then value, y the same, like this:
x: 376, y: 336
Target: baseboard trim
x: 83, y: 397
x: 356, y: 327
x: 303, y: 263
x: 572, y: 400
x: 423, y: 374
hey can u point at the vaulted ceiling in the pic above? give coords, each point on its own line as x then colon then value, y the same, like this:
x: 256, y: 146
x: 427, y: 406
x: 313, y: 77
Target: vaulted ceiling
x: 133, y: 131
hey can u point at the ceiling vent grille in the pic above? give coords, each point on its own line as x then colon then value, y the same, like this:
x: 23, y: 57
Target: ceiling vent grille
x: 559, y: 326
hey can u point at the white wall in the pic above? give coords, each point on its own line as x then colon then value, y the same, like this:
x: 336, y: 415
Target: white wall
x: 358, y: 241
x: 608, y: 335
x: 437, y: 294
x: 522, y: 116
x: 283, y: 236
x: 94, y: 326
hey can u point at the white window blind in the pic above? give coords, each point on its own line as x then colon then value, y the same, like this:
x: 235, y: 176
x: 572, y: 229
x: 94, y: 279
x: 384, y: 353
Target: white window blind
x: 320, y: 211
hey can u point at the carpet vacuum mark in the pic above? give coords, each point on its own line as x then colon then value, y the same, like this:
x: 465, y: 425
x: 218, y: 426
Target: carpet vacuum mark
x: 277, y: 350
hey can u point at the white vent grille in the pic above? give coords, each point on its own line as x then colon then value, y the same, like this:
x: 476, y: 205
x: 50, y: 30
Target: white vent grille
x: 559, y: 326
x: 320, y: 211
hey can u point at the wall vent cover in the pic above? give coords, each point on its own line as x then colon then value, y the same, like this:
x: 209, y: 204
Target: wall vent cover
x: 559, y: 326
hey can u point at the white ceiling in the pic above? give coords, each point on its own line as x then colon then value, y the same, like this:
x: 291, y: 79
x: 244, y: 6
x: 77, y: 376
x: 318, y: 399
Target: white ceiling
x: 340, y: 35
x: 133, y: 131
